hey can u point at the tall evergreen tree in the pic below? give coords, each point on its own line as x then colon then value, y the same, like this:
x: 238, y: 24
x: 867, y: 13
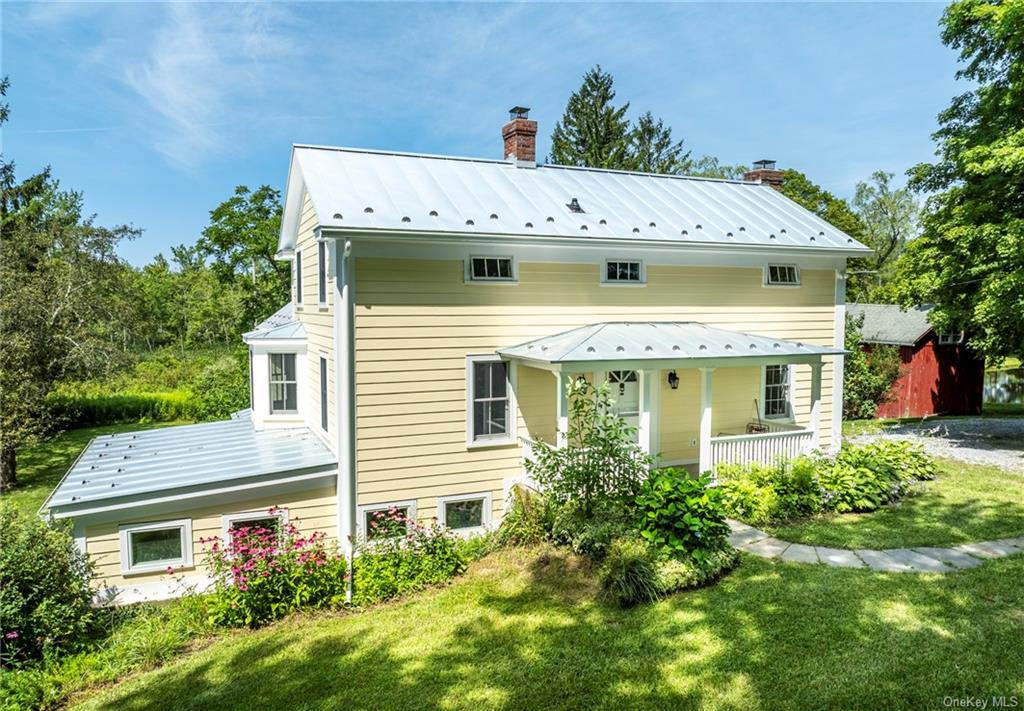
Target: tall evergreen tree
x: 593, y: 132
x: 652, y: 149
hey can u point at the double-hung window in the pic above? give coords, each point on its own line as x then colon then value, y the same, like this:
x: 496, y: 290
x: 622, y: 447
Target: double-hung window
x: 781, y: 275
x: 623, y: 271
x: 321, y: 271
x: 297, y: 272
x: 284, y: 397
x: 488, y: 396
x: 491, y: 269
x: 148, y: 547
x: 776, y: 391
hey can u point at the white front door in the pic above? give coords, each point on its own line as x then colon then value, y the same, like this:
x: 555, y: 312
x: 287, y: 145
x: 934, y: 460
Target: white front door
x: 625, y: 390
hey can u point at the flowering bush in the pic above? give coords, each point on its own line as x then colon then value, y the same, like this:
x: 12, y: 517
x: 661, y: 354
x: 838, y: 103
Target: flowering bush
x: 401, y: 555
x: 262, y: 574
x: 44, y: 590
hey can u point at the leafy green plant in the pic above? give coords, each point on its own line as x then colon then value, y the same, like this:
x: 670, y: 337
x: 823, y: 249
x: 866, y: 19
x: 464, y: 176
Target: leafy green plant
x: 45, y: 600
x: 590, y: 535
x: 761, y: 493
x: 866, y: 476
x: 868, y: 374
x: 601, y: 460
x: 628, y: 575
x: 393, y: 565
x: 681, y: 514
x: 263, y: 574
x: 527, y: 518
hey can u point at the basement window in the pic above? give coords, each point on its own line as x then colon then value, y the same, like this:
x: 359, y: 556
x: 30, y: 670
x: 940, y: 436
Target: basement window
x: 623, y: 271
x: 150, y: 547
x: 389, y: 520
x: 466, y: 513
x: 491, y: 269
x: 781, y: 275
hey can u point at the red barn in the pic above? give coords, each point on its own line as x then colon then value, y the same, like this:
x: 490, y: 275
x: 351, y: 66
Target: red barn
x: 940, y: 374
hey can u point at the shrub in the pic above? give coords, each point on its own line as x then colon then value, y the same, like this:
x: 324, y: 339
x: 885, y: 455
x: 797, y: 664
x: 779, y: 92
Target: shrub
x: 73, y: 407
x: 262, y: 574
x: 590, y: 535
x: 868, y: 374
x: 634, y: 572
x: 681, y: 514
x: 390, y: 566
x: 763, y: 493
x: 44, y: 589
x: 601, y: 461
x: 222, y: 387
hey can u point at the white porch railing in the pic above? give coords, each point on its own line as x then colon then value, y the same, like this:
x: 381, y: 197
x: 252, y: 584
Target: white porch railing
x: 764, y: 448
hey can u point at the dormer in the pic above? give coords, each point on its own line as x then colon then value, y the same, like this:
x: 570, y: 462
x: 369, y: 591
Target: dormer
x: 277, y: 370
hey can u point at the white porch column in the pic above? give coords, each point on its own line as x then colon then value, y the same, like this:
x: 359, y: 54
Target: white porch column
x: 815, y: 423
x: 704, y: 458
x: 561, y: 409
x: 646, y: 430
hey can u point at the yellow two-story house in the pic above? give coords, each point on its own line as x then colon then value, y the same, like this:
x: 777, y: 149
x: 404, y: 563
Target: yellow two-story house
x: 439, y: 307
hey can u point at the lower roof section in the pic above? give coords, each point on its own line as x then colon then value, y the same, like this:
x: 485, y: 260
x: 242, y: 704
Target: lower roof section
x: 139, y: 466
x: 659, y: 344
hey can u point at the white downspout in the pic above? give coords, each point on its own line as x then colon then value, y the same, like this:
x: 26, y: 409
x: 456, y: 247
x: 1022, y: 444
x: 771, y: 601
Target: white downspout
x: 345, y: 401
x: 839, y: 339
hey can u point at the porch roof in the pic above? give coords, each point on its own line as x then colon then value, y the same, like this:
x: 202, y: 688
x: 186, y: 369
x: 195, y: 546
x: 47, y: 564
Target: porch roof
x: 660, y: 344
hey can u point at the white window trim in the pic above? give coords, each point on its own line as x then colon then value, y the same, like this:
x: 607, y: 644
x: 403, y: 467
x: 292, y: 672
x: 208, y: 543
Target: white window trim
x: 125, y: 531
x: 942, y: 338
x: 470, y: 279
x: 228, y: 519
x: 323, y: 276
x: 270, y: 384
x: 605, y: 281
x: 297, y: 277
x: 768, y: 285
x: 455, y: 498
x: 790, y: 415
x: 323, y: 396
x: 510, y: 377
x: 361, y: 512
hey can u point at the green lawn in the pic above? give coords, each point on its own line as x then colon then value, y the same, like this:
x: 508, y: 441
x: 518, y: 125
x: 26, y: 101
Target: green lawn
x: 967, y: 502
x: 42, y: 466
x: 524, y: 629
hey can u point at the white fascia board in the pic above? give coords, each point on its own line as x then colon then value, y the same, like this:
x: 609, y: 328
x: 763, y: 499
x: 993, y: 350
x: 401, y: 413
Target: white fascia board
x: 681, y: 364
x: 483, y: 239
x: 266, y: 345
x: 291, y: 215
x: 182, y: 498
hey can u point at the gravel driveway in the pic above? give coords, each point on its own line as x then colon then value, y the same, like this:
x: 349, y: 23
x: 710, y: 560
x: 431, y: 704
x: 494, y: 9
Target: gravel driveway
x: 978, y: 440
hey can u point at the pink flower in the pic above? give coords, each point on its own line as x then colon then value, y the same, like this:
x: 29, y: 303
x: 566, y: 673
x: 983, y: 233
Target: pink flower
x: 170, y: 569
x: 11, y: 635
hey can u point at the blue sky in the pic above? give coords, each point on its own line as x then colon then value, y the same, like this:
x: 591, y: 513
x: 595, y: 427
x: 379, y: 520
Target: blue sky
x: 156, y: 111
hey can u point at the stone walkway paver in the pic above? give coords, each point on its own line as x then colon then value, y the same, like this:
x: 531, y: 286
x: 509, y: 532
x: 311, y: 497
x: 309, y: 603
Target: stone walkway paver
x: 923, y: 559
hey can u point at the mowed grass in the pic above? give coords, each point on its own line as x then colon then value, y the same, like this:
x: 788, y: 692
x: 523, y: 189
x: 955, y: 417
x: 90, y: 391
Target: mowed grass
x: 965, y: 503
x: 526, y: 629
x: 41, y: 467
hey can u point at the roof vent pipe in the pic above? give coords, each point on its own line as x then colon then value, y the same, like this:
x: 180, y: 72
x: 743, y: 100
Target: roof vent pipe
x: 520, y: 136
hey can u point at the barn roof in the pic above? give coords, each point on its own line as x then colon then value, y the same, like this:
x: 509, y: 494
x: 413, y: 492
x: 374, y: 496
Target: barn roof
x: 891, y: 324
x: 364, y: 191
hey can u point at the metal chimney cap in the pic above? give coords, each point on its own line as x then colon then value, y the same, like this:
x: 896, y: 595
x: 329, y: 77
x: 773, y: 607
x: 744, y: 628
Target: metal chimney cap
x: 765, y: 164
x: 519, y: 112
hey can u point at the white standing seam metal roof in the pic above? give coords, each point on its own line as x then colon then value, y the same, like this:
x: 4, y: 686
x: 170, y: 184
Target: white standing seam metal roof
x: 373, y: 191
x: 891, y: 324
x: 279, y: 326
x: 163, y: 460
x: 657, y: 341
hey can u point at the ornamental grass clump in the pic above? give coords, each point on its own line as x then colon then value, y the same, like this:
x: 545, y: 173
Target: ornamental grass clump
x: 263, y: 573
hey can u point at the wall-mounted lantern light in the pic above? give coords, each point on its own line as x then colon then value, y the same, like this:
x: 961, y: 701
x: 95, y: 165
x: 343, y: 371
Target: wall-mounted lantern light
x: 673, y: 380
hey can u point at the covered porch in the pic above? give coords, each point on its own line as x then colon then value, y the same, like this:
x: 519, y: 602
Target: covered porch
x: 698, y: 396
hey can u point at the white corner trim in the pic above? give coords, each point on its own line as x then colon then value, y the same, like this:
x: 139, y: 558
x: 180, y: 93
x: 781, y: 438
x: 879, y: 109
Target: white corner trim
x: 511, y: 381
x: 455, y: 498
x: 184, y: 526
x: 839, y: 341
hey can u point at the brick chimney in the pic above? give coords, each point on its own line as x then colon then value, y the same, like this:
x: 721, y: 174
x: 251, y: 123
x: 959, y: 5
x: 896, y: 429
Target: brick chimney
x: 765, y: 172
x: 520, y: 135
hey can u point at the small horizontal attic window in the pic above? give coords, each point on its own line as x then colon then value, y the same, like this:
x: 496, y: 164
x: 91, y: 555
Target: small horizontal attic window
x: 782, y: 275
x: 491, y: 269
x: 623, y: 271
x: 950, y: 338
